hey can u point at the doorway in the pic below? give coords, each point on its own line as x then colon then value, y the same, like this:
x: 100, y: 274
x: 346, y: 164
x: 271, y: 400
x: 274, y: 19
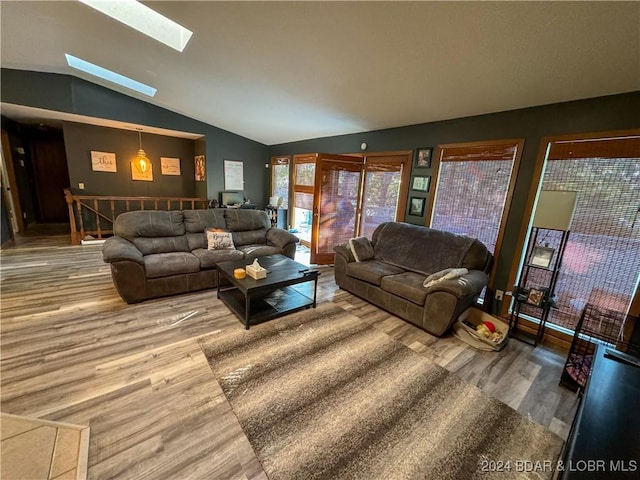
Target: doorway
x: 37, y: 162
x: 338, y: 197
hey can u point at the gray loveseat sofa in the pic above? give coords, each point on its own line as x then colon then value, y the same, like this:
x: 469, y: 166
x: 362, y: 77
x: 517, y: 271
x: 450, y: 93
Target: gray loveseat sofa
x: 403, y: 256
x: 157, y: 253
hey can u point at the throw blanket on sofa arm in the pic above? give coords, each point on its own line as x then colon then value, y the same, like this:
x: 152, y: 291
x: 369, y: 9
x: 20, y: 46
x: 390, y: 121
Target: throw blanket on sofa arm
x: 442, y: 275
x: 468, y: 284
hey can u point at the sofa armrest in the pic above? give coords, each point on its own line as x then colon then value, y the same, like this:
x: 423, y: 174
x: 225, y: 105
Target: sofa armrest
x: 345, y: 252
x: 117, y: 249
x: 280, y: 237
x: 471, y: 283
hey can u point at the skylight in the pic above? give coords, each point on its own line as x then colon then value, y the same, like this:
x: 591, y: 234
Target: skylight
x: 145, y: 20
x: 106, y: 74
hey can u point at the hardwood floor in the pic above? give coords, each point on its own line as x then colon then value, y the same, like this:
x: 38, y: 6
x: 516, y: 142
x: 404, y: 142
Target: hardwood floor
x: 73, y: 351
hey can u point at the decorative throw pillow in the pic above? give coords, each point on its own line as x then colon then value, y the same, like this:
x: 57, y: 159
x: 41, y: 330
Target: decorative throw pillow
x: 361, y: 248
x: 220, y: 241
x: 442, y: 275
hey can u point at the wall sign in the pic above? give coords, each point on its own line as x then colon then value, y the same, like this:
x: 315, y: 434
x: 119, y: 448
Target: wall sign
x: 170, y: 166
x: 141, y: 171
x: 103, y: 162
x: 233, y: 175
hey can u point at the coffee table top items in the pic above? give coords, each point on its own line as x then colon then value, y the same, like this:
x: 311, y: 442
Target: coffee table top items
x: 278, y: 268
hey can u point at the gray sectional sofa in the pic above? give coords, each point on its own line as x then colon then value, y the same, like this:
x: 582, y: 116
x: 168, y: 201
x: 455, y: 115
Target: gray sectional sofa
x: 404, y: 255
x: 157, y: 253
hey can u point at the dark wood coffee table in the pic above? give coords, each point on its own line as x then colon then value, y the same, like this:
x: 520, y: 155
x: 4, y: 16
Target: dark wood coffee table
x: 286, y: 289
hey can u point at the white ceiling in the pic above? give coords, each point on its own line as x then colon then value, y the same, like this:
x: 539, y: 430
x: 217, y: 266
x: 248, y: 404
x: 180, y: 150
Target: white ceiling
x: 282, y: 71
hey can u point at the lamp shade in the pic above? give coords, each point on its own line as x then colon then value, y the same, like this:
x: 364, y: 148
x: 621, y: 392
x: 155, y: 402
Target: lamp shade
x: 555, y: 209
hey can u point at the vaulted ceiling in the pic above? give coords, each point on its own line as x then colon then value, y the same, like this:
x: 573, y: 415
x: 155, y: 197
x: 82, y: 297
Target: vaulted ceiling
x: 282, y: 71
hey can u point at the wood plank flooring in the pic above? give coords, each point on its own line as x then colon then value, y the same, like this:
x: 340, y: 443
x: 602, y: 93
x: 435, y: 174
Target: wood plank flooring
x: 73, y: 351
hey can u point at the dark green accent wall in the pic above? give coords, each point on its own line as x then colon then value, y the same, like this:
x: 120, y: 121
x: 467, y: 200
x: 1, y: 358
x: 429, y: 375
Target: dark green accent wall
x: 80, y: 139
x: 616, y: 112
x: 73, y: 95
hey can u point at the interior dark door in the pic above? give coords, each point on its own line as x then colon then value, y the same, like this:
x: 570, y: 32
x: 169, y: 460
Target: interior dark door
x: 51, y: 177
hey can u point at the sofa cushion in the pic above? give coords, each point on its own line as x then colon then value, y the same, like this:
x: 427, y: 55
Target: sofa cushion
x: 209, y: 258
x: 149, y: 223
x: 196, y: 240
x: 239, y: 220
x: 196, y: 221
x: 361, y: 248
x: 426, y: 250
x: 255, y: 251
x: 250, y: 237
x: 153, y: 245
x: 220, y: 241
x: 372, y: 271
x: 407, y: 285
x: 174, y: 263
x: 153, y: 231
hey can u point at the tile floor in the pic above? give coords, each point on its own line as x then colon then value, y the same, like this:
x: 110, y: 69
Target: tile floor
x: 37, y: 449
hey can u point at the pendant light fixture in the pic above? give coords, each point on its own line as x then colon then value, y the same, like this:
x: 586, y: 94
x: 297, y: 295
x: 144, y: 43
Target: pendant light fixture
x: 143, y: 162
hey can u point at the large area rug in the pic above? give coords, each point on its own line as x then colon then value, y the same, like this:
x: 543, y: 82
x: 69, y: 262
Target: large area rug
x: 321, y: 394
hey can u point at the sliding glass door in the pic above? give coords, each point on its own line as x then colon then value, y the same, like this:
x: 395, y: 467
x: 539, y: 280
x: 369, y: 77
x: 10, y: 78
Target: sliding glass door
x: 338, y: 197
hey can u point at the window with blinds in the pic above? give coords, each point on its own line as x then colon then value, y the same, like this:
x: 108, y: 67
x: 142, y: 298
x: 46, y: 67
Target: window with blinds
x: 601, y: 263
x: 381, y: 193
x: 473, y: 183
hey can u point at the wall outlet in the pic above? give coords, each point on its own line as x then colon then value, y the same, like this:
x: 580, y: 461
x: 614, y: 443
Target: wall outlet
x: 81, y: 186
x: 499, y: 294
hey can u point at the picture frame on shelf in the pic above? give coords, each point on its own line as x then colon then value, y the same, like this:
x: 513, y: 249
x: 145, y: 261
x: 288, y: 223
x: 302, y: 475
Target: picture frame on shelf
x: 423, y: 157
x: 541, y: 256
x: 421, y: 183
x: 537, y: 296
x: 416, y: 206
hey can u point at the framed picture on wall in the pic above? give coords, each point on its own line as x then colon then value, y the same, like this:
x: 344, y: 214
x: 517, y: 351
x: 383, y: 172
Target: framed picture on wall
x: 141, y: 171
x: 200, y: 168
x: 103, y: 161
x: 421, y: 184
x: 423, y: 158
x: 233, y: 175
x: 170, y: 166
x: 416, y: 206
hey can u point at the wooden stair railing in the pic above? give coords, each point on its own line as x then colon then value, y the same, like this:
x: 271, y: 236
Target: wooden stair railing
x: 94, y: 214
